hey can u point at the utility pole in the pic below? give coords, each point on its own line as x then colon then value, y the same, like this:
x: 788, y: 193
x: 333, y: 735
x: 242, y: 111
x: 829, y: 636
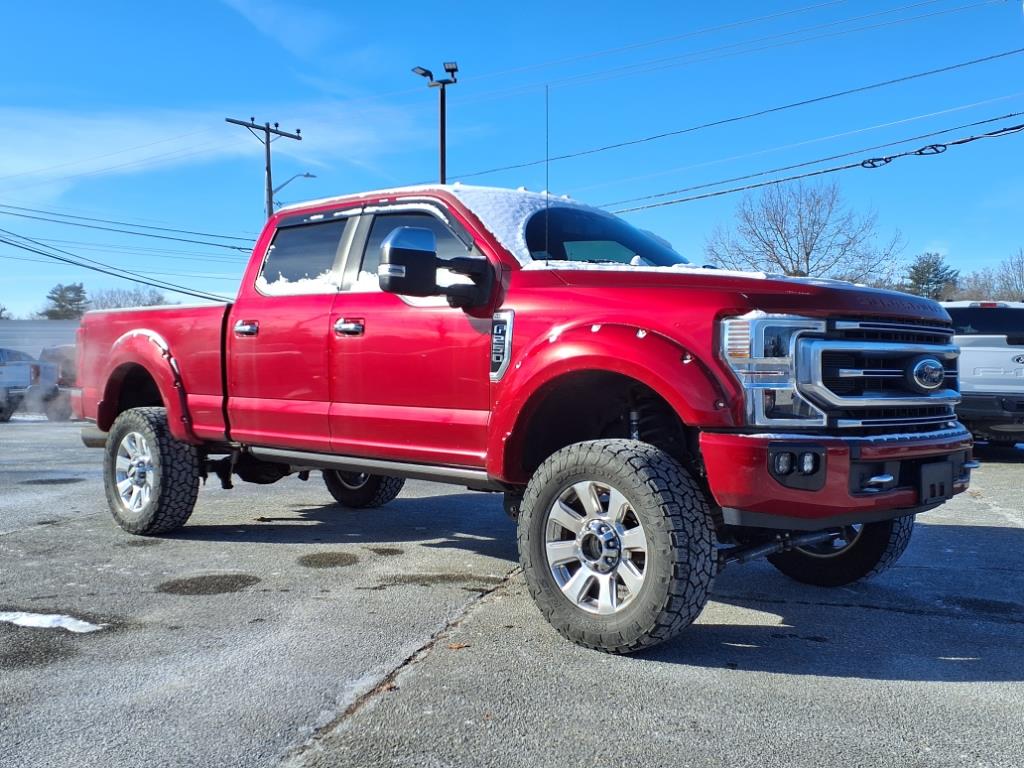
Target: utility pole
x: 267, y: 130
x: 452, y: 69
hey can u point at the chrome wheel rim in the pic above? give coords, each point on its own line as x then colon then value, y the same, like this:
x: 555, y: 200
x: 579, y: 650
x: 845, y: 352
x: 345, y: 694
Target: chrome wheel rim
x: 353, y: 480
x: 596, y: 547
x: 846, y: 537
x: 134, y: 472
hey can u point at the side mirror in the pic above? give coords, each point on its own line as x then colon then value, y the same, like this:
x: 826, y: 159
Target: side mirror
x: 409, y: 264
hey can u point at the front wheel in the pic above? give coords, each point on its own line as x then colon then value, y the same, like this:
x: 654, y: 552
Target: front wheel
x: 858, y: 552
x: 617, y: 544
x: 151, y: 479
x: 360, y: 490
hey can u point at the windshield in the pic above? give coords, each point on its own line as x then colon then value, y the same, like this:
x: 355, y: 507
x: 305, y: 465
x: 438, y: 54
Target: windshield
x: 987, y: 321
x: 581, y: 235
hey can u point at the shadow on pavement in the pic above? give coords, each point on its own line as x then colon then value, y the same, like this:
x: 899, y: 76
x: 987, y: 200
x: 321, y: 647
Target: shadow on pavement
x: 474, y: 522
x: 950, y: 614
x: 1001, y: 454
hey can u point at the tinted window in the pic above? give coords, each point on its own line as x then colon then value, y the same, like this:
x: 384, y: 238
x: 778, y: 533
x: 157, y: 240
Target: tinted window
x: 573, y: 234
x: 992, y: 321
x: 305, y: 252
x: 448, y: 246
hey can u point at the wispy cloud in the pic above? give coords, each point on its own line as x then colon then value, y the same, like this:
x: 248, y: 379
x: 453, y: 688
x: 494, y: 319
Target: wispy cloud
x: 46, y: 152
x: 301, y: 31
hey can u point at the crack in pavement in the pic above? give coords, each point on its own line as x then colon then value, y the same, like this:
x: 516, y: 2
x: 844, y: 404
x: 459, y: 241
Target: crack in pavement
x: 294, y: 757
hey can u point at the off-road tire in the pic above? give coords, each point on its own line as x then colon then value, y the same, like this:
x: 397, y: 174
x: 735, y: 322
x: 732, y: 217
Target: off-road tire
x: 681, y: 543
x: 176, y: 465
x: 377, y: 491
x: 6, y: 414
x: 877, y: 548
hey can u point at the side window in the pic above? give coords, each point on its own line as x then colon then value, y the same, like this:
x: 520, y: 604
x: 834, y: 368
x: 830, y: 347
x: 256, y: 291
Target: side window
x: 448, y: 246
x: 301, y: 259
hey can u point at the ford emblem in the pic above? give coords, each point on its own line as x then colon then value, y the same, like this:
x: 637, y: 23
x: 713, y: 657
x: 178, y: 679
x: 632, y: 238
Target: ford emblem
x: 927, y: 374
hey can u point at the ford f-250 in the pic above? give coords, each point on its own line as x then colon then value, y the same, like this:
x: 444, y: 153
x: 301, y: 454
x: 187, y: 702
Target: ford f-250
x: 648, y: 421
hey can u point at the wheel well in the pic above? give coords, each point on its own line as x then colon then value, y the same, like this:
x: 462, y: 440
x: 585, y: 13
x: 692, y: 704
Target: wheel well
x: 135, y: 388
x: 593, y: 405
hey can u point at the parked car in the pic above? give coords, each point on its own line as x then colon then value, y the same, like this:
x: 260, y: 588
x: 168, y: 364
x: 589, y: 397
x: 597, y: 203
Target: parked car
x: 991, y: 339
x: 25, y: 382
x: 648, y: 421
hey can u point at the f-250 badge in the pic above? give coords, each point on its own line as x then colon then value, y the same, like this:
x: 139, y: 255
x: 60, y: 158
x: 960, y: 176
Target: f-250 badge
x: 501, y: 342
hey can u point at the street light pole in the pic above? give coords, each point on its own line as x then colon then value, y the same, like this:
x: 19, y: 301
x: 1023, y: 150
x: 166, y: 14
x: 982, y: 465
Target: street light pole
x: 451, y: 68
x: 279, y: 187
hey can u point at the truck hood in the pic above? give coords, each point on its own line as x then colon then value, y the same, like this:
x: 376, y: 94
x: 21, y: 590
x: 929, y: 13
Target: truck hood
x: 757, y: 290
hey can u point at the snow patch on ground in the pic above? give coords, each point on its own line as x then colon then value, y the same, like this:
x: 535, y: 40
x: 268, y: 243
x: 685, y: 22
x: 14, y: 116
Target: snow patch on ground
x: 48, y: 621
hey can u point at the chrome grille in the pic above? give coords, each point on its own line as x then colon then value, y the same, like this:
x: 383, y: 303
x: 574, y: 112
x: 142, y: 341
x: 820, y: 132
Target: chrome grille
x: 858, y: 373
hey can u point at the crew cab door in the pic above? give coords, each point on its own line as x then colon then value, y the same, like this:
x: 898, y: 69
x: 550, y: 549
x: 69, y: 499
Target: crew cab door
x: 278, y: 334
x: 409, y: 377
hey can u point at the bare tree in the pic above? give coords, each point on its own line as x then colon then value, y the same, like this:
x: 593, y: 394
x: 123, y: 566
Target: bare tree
x: 1010, y: 277
x: 115, y: 298
x: 805, y: 230
x: 979, y: 285
x: 4, y: 313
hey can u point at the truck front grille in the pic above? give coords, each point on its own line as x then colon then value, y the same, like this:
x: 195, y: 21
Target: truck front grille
x: 860, y: 374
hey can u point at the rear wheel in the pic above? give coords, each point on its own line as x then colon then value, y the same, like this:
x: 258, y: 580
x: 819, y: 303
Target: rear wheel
x: 859, y: 552
x: 617, y: 544
x: 151, y: 479
x: 360, y: 490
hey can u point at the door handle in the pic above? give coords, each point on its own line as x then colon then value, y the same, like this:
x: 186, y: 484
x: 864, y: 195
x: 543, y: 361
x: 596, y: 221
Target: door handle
x: 349, y: 327
x: 247, y: 327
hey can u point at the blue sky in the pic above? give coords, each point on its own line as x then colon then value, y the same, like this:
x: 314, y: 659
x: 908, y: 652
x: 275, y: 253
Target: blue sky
x: 116, y: 110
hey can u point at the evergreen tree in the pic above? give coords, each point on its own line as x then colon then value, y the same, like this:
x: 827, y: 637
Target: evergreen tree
x: 930, y: 276
x: 67, y: 302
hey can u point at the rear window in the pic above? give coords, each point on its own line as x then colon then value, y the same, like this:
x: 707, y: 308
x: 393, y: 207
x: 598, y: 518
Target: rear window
x: 14, y: 356
x: 992, y: 321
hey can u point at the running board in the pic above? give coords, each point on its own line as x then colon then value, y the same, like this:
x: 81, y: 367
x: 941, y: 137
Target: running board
x: 475, y: 479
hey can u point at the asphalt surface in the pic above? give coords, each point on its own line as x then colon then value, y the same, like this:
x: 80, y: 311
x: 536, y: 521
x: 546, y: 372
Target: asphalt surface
x: 278, y: 629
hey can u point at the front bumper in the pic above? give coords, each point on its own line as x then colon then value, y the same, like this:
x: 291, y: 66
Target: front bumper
x: 750, y: 494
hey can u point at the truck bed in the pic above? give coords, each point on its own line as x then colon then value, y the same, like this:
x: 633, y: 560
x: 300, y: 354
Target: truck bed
x: 188, y: 338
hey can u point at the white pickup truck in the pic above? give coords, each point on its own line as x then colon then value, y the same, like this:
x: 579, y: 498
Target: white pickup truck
x: 991, y: 339
x: 23, y: 379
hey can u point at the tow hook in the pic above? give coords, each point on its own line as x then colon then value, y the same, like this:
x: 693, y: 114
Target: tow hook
x: 782, y: 543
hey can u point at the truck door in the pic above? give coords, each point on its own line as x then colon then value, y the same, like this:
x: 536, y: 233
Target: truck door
x: 409, y: 377
x: 277, y: 338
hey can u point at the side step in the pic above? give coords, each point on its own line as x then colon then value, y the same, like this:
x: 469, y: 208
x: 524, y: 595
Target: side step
x: 474, y: 479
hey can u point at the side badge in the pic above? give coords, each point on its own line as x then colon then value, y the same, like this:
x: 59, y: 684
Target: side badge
x: 501, y: 342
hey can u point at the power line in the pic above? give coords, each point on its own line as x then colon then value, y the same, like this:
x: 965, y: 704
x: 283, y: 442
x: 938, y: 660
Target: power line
x: 793, y: 145
x: 872, y: 162
x: 106, y: 269
x: 203, y: 276
x: 126, y: 223
x: 125, y: 231
x: 806, y: 163
x: 267, y: 130
x: 724, y: 51
x: 750, y: 115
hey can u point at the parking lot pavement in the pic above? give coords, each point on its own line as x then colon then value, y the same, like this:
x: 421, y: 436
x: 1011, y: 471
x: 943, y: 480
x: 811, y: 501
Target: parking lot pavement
x: 414, y: 649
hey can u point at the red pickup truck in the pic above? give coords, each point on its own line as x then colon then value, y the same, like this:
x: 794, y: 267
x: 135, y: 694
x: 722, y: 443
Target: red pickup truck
x: 648, y: 421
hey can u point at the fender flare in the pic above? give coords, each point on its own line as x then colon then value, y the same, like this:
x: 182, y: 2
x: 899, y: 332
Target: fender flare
x: 149, y: 350
x: 662, y: 364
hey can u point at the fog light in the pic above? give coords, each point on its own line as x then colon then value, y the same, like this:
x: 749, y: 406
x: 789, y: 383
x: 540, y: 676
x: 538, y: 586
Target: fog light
x: 808, y: 463
x: 783, y: 463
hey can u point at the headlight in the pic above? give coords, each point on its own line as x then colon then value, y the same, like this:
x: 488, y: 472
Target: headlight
x: 761, y: 350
